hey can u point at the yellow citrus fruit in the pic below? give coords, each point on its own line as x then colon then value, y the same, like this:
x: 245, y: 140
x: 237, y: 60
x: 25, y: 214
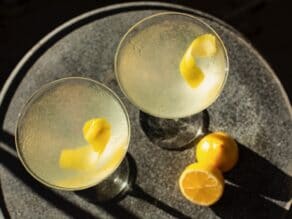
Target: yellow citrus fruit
x: 97, y: 133
x: 217, y: 149
x: 201, y: 184
x: 81, y: 158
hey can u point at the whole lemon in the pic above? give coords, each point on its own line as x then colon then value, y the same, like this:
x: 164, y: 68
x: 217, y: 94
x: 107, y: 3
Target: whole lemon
x: 217, y: 149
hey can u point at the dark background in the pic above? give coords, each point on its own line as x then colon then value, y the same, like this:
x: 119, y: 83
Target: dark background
x: 266, y: 23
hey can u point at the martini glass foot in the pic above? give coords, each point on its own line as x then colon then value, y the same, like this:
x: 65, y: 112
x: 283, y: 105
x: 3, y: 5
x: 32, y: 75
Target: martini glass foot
x: 174, y: 134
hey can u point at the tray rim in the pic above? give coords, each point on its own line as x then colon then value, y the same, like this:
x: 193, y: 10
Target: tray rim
x: 133, y: 6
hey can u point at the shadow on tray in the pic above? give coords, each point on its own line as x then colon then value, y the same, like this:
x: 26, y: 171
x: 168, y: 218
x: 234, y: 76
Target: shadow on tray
x: 254, y: 181
x: 13, y: 164
x: 133, y: 190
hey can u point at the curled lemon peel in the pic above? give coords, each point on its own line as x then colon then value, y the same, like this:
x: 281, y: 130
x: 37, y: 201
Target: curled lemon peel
x: 97, y: 133
x: 203, y: 46
x: 80, y: 158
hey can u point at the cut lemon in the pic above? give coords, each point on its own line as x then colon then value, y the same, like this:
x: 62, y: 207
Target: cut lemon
x: 217, y: 149
x: 201, y: 184
x: 82, y: 158
x: 97, y: 133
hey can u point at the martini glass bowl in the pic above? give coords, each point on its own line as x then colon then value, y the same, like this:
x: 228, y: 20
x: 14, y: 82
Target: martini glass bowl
x: 52, y: 121
x: 147, y: 69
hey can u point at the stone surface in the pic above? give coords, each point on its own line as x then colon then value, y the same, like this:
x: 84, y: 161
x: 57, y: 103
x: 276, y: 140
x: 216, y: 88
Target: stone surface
x: 252, y: 108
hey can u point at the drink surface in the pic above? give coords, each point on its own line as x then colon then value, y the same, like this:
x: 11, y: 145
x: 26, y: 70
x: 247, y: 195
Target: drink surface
x: 52, y: 121
x: 147, y: 66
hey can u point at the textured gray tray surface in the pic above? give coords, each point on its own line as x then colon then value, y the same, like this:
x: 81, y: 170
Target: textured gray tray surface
x: 252, y: 108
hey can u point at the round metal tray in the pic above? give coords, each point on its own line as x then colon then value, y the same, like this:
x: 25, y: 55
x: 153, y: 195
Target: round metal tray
x: 253, y: 108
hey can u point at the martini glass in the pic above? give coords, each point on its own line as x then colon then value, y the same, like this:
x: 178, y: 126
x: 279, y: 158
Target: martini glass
x: 52, y: 121
x: 147, y: 70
